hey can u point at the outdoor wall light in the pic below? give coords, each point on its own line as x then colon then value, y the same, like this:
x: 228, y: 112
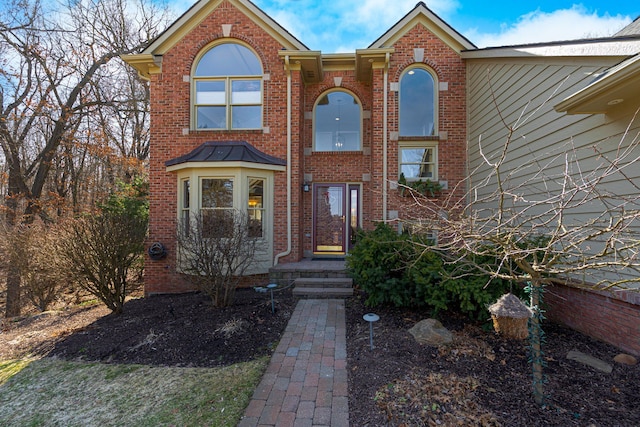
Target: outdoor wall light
x: 306, y: 187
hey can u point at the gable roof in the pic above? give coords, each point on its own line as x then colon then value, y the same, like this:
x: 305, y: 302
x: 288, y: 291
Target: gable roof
x: 200, y: 10
x: 632, y: 29
x: 421, y: 14
x: 149, y: 61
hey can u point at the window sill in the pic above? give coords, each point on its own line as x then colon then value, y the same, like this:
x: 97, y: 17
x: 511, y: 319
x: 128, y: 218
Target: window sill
x: 419, y: 138
x: 198, y: 130
x: 333, y: 153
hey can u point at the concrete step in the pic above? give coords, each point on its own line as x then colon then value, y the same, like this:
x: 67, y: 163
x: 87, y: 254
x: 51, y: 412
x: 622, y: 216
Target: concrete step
x: 323, y: 292
x: 323, y: 282
x: 328, y: 287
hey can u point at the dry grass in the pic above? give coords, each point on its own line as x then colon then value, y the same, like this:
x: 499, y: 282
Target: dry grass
x: 48, y: 392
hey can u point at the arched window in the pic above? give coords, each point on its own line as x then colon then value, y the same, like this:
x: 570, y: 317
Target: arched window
x: 227, y: 86
x: 417, y: 103
x: 337, y: 122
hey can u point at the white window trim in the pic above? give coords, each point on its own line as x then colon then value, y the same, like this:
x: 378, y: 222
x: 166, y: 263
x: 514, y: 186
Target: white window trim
x: 240, y: 177
x: 313, y: 115
x: 436, y: 97
x: 228, y: 82
x: 419, y: 144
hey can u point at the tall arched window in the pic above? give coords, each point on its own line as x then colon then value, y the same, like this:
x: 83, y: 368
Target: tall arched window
x: 337, y: 122
x: 417, y: 103
x: 227, y: 86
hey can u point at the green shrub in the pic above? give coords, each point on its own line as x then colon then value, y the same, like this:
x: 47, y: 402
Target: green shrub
x: 378, y: 263
x: 403, y: 271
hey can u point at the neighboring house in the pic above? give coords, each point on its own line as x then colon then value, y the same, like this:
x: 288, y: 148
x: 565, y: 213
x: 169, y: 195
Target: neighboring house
x: 311, y: 144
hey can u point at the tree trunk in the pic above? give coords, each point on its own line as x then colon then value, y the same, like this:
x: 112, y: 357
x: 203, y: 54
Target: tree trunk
x: 13, y: 305
x: 536, y: 338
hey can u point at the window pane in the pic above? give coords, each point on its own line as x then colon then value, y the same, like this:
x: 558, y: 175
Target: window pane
x: 217, y: 193
x: 337, y: 123
x: 245, y: 92
x: 186, y: 191
x: 417, y: 103
x: 212, y: 117
x: 256, y: 189
x: 229, y: 59
x: 417, y: 162
x: 211, y: 93
x: 217, y: 223
x: 255, y: 208
x: 416, y: 155
x: 417, y: 171
x: 246, y: 117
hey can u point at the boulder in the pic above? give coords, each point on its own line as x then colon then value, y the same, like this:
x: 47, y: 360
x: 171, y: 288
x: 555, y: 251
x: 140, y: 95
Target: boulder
x: 431, y: 332
x: 625, y: 359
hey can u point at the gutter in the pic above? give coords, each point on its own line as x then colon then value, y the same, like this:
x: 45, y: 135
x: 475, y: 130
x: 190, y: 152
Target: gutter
x: 385, y: 113
x: 289, y: 95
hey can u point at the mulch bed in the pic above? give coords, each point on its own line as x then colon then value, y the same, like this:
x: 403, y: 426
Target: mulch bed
x: 481, y: 379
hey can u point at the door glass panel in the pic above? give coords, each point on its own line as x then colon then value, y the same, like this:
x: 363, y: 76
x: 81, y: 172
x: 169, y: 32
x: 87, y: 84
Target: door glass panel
x: 354, y: 214
x: 329, y: 218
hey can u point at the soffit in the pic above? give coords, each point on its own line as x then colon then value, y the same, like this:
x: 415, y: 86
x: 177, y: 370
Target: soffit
x: 615, y: 88
x: 365, y: 60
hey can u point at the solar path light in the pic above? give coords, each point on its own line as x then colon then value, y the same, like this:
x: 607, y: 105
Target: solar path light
x: 371, y: 317
x: 271, y: 287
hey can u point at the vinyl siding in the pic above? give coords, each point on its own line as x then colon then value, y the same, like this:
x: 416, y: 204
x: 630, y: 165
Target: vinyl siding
x: 521, y: 93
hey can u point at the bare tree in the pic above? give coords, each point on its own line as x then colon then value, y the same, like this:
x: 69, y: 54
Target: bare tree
x: 216, y: 248
x: 566, y: 216
x: 52, y: 60
x: 32, y: 250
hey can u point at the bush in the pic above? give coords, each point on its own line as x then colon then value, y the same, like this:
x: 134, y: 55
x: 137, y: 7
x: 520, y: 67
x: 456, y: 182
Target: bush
x: 32, y: 251
x: 378, y: 263
x: 404, y: 271
x: 103, y: 251
x: 215, y: 250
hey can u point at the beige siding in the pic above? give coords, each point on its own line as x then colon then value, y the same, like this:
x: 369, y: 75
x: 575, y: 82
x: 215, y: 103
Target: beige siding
x: 520, y: 94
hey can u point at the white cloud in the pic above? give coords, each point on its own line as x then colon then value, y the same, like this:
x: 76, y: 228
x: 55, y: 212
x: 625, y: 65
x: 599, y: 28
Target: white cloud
x: 346, y: 25
x: 559, y: 25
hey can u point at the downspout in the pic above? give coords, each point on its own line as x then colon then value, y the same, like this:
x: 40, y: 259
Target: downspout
x: 288, y: 250
x: 385, y: 113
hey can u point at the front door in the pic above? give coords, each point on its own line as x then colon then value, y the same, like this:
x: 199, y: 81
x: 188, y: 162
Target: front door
x: 335, y: 217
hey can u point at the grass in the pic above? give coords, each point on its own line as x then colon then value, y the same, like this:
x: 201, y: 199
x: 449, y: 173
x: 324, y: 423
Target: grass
x: 49, y: 392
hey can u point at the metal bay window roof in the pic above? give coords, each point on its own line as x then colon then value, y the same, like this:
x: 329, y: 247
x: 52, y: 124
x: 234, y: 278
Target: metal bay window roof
x: 227, y: 154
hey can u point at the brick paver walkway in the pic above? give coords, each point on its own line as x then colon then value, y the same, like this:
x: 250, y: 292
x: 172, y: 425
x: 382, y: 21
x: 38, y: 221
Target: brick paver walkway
x: 305, y: 384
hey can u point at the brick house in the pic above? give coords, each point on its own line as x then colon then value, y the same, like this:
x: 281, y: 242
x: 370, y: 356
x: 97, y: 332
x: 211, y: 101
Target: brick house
x: 311, y: 145
x: 317, y: 138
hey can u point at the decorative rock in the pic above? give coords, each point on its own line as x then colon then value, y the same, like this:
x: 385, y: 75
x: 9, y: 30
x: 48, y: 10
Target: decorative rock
x: 590, y: 361
x: 431, y: 332
x: 625, y: 359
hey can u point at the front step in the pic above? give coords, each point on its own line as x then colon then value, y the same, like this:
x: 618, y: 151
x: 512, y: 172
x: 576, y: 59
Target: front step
x: 329, y: 287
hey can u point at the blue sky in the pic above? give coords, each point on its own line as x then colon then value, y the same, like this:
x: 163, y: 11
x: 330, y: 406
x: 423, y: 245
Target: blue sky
x: 346, y: 25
